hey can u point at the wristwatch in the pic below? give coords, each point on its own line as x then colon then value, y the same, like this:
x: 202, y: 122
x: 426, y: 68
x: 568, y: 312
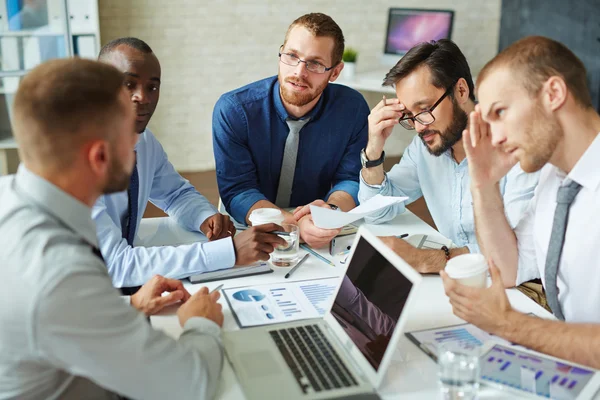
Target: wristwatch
x: 366, y: 163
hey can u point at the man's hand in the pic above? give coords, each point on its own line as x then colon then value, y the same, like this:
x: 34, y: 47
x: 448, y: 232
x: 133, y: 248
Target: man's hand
x: 301, y: 211
x: 149, y: 298
x: 256, y: 243
x: 381, y: 122
x: 487, y: 163
x: 313, y: 236
x: 202, y: 304
x: 218, y: 226
x: 488, y: 309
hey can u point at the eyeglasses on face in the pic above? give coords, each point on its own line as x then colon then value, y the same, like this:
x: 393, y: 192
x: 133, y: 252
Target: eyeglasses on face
x: 311, y: 65
x: 424, y: 117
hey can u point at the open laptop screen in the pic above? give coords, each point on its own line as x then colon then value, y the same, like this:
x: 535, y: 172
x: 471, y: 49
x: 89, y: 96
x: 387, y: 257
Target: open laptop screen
x: 370, y: 300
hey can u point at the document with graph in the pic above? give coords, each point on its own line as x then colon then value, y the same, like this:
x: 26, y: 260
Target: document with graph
x: 281, y: 302
x: 429, y: 339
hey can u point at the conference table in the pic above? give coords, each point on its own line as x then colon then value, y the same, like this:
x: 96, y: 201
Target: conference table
x: 412, y: 374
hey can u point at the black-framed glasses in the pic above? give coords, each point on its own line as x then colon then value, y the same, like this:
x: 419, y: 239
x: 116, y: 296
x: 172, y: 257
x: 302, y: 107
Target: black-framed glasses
x: 424, y: 117
x: 294, y: 60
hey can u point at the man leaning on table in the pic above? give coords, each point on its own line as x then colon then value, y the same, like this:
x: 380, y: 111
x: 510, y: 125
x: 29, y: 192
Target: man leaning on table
x: 295, y: 138
x: 435, y: 94
x: 535, y: 108
x: 154, y: 178
x: 64, y: 331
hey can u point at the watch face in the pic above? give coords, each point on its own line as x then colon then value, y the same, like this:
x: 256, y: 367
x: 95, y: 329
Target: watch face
x: 363, y: 158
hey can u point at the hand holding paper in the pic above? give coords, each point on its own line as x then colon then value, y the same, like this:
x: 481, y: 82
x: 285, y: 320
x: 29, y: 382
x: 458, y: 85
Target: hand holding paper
x: 332, y: 219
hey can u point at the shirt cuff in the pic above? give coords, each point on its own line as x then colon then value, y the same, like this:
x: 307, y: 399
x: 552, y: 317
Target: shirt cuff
x: 350, y: 187
x: 243, y: 202
x: 378, y: 188
x: 473, y: 248
x: 219, y: 254
x: 202, y: 325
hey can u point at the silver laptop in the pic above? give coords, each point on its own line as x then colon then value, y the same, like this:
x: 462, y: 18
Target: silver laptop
x: 346, y: 353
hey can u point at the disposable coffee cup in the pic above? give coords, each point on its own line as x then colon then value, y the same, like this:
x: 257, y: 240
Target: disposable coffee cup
x: 468, y: 270
x: 262, y: 216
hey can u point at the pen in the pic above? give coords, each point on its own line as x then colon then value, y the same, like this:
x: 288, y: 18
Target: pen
x: 402, y: 236
x: 217, y: 288
x: 384, y: 101
x: 314, y: 253
x: 297, y: 265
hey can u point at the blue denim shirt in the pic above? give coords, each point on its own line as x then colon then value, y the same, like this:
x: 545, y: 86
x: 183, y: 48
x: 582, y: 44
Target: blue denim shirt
x: 446, y: 188
x: 249, y: 134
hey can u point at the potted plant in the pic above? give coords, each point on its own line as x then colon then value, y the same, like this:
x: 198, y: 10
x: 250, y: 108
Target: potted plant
x: 349, y: 59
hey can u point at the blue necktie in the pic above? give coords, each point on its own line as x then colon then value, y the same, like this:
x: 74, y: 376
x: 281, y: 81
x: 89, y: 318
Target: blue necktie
x: 132, y: 207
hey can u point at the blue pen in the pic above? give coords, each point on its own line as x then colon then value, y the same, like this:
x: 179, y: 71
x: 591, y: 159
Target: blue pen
x: 314, y: 253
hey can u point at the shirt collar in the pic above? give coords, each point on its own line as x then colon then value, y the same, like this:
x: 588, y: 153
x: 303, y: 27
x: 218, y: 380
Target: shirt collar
x: 141, y: 138
x: 70, y: 211
x: 585, y: 171
x: 282, y: 112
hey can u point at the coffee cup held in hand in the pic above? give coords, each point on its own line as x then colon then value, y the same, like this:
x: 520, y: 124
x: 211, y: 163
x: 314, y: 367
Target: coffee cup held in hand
x: 468, y: 270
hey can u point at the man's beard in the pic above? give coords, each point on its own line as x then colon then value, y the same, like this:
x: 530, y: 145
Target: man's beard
x: 118, y: 178
x: 299, y: 99
x: 543, y: 132
x: 451, y: 135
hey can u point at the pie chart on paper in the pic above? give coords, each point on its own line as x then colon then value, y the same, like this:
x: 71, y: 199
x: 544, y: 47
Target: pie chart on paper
x: 248, y: 295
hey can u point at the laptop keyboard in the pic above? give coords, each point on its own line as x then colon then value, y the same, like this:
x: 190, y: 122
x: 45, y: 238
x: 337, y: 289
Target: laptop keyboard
x: 312, y: 359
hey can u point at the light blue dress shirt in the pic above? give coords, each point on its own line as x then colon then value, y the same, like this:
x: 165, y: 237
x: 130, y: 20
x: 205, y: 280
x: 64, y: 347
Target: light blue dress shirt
x: 165, y: 188
x: 64, y: 331
x: 446, y: 188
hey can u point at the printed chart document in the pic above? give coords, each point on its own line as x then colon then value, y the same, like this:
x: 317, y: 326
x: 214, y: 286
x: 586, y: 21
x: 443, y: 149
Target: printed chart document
x: 281, y: 302
x: 429, y: 339
x: 332, y: 219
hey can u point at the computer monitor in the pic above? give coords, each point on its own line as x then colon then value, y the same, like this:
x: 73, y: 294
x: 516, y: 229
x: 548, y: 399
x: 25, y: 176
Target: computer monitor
x: 408, y: 27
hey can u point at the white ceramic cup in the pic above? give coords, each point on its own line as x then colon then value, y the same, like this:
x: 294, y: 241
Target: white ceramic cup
x: 468, y: 269
x: 262, y: 216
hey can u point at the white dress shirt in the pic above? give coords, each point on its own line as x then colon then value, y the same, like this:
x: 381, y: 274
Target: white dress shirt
x: 446, y: 187
x: 64, y: 331
x: 578, y: 278
x: 165, y: 188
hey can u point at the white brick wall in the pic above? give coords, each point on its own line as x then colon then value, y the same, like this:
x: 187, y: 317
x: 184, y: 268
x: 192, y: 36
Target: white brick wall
x: 209, y: 47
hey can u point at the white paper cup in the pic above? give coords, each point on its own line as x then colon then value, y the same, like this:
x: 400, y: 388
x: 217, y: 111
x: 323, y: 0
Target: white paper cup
x: 262, y: 216
x: 468, y: 269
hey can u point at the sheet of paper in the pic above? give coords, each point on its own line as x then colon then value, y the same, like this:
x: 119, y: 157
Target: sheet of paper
x: 331, y: 219
x: 281, y: 302
x: 431, y: 338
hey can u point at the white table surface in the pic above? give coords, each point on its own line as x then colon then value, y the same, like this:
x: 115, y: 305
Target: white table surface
x: 412, y: 374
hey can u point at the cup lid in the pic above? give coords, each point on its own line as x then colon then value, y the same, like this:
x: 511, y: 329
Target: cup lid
x: 264, y: 215
x: 465, y: 266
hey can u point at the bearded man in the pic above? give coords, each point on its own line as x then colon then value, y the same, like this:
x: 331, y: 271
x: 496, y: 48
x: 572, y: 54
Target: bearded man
x: 434, y: 89
x: 293, y: 139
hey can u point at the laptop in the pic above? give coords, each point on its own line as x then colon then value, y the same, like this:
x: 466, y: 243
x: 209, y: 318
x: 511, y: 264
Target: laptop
x: 345, y: 354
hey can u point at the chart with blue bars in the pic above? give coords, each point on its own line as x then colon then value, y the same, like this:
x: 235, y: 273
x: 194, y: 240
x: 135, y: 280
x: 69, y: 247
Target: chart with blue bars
x: 534, y: 374
x: 319, y: 295
x: 457, y: 335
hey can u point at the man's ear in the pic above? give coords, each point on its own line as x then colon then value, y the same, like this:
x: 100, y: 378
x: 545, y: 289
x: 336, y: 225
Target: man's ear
x: 554, y: 93
x: 461, y: 91
x: 337, y: 70
x: 99, y: 157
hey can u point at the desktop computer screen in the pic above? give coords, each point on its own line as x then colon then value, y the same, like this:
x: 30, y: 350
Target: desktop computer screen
x: 409, y: 27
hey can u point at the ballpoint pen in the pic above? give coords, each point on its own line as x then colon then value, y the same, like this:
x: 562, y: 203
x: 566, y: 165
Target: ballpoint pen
x: 314, y: 253
x: 384, y: 101
x: 217, y: 288
x: 402, y: 236
x: 297, y: 265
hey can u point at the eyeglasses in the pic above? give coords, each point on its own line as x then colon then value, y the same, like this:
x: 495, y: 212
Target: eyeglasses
x: 294, y: 60
x: 424, y: 117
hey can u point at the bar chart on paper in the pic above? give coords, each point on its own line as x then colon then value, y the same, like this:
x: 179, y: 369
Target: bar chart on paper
x: 282, y: 302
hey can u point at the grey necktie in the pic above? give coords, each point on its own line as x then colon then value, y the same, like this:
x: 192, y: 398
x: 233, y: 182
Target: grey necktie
x: 564, y: 198
x: 288, y: 166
